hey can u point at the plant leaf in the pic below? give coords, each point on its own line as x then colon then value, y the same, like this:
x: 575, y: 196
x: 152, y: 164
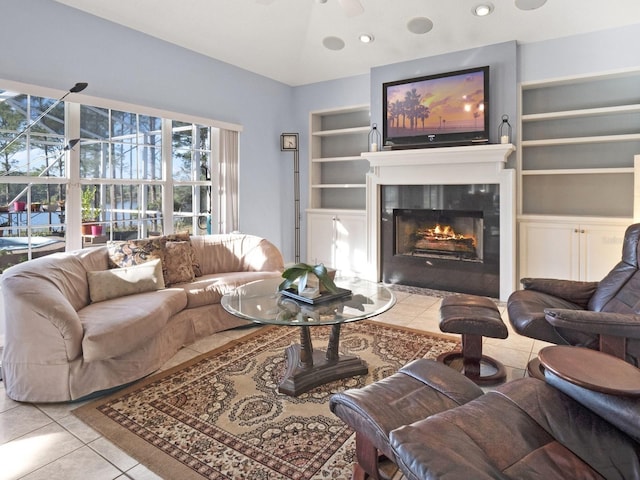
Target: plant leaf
x: 324, y: 278
x: 294, y: 272
x: 300, y: 273
x: 302, y: 282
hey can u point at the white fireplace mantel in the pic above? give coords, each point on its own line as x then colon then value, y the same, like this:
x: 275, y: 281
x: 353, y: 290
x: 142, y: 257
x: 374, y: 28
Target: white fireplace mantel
x: 475, y: 164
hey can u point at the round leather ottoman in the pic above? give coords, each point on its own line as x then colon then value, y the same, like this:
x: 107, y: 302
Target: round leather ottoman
x: 473, y: 317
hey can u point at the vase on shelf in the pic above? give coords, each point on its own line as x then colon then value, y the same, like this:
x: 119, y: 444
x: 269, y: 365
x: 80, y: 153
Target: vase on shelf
x: 375, y: 139
x: 505, y: 130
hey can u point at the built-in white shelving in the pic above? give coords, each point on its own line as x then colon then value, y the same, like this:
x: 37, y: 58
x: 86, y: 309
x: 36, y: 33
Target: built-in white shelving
x: 576, y: 179
x: 578, y: 139
x: 336, y: 216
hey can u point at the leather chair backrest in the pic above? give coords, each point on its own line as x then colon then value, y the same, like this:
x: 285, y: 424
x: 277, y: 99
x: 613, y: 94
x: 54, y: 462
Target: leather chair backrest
x: 619, y: 291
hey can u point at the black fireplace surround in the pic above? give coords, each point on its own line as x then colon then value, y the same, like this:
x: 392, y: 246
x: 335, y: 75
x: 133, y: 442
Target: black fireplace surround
x: 443, y: 237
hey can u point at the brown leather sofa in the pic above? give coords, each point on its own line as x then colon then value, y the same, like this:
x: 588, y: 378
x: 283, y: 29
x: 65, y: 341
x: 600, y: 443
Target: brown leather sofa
x: 602, y: 315
x: 524, y: 429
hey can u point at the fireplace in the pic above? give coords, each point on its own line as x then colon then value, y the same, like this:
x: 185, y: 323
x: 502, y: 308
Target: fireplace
x: 465, y: 188
x: 444, y: 237
x: 449, y: 234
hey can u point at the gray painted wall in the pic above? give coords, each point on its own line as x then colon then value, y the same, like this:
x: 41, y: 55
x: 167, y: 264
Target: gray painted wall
x: 50, y: 45
x: 604, y: 51
x: 501, y: 59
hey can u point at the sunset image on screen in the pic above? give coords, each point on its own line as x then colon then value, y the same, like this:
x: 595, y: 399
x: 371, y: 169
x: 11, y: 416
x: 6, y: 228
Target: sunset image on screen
x: 438, y: 106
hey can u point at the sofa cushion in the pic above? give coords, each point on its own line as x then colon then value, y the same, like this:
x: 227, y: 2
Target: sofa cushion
x: 177, y: 262
x: 126, y: 253
x: 119, y: 282
x: 209, y: 289
x: 118, y: 326
x: 185, y: 237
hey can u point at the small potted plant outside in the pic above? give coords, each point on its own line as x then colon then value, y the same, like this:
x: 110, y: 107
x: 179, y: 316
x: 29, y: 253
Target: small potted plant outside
x: 303, y: 275
x: 90, y: 213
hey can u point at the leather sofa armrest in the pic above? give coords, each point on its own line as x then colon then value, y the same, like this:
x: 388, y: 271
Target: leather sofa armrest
x: 621, y: 411
x: 602, y: 323
x: 576, y: 292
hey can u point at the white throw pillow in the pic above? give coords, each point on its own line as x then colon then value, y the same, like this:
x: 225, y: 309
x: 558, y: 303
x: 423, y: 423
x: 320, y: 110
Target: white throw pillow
x: 118, y: 282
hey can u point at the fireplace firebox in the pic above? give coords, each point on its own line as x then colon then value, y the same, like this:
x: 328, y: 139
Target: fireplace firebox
x: 448, y: 234
x: 443, y: 237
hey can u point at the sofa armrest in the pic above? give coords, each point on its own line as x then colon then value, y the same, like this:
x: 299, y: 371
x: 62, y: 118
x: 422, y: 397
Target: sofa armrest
x: 41, y: 324
x: 602, y: 323
x: 222, y: 253
x: 263, y: 257
x: 576, y: 292
x: 621, y: 411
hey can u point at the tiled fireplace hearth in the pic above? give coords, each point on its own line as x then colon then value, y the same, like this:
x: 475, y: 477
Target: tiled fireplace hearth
x: 443, y: 218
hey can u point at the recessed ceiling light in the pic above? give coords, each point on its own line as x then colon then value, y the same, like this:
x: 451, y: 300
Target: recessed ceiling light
x: 419, y: 25
x: 530, y: 4
x: 366, y: 38
x: 333, y: 43
x: 482, y: 10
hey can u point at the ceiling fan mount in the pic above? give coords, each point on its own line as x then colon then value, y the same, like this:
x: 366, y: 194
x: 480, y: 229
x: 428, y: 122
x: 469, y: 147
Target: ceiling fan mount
x: 351, y: 7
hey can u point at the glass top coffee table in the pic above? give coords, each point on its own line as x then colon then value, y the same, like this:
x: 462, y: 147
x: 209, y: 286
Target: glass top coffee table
x: 260, y: 302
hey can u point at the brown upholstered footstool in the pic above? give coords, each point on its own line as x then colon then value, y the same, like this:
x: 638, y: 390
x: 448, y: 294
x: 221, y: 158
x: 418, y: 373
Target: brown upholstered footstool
x: 473, y: 317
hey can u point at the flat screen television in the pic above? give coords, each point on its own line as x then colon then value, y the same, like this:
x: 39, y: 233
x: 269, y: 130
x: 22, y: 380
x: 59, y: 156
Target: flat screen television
x: 437, y: 110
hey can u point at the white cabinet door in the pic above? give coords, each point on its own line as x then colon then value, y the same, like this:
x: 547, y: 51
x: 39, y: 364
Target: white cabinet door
x: 548, y: 250
x: 571, y: 251
x: 338, y: 240
x: 601, y: 248
x: 350, y: 244
x: 320, y: 238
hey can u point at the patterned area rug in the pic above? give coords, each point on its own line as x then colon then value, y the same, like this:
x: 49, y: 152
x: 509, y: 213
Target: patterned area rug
x: 219, y: 416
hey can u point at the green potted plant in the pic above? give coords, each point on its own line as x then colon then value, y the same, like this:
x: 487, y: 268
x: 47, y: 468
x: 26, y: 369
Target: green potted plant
x: 302, y: 275
x: 90, y: 213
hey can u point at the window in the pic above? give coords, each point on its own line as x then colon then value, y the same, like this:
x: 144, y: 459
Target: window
x: 32, y: 177
x: 121, y: 165
x: 134, y: 175
x: 192, y: 161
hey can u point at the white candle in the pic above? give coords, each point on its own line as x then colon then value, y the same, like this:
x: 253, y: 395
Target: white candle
x: 374, y: 147
x: 504, y: 139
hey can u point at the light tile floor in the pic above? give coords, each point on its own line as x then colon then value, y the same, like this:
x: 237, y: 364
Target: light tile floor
x: 46, y: 441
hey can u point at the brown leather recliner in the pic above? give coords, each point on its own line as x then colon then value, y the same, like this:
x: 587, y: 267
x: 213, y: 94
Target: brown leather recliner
x: 524, y: 429
x: 600, y: 315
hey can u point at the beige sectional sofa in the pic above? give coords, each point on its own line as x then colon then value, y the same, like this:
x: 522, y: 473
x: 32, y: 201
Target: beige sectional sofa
x: 61, y: 346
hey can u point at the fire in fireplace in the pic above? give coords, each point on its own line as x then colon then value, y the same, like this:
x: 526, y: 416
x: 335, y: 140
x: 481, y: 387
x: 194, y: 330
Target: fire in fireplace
x: 449, y: 234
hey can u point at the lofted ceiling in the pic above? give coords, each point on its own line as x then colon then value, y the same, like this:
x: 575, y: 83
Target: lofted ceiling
x: 283, y: 39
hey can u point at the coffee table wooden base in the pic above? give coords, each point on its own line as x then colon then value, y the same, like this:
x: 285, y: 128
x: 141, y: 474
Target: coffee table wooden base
x: 306, y: 368
x: 299, y: 379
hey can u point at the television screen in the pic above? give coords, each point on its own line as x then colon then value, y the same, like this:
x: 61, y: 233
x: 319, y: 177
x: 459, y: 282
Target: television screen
x: 437, y: 110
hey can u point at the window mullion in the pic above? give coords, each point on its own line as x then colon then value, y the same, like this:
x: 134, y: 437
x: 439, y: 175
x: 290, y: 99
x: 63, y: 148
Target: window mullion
x: 167, y: 176
x: 73, y: 202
